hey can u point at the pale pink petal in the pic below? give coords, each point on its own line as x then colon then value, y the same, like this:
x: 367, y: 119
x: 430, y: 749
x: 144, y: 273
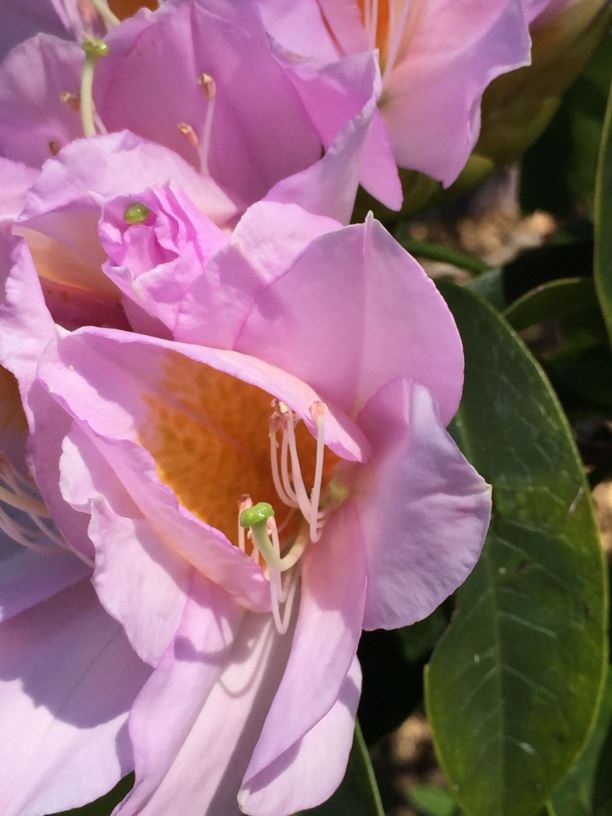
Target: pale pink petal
x: 431, y: 98
x: 34, y: 121
x: 310, y: 771
x: 263, y: 245
x: 420, y: 493
x: 353, y: 312
x: 140, y: 581
x: 16, y: 180
x: 324, y: 642
x: 196, y: 721
x: 99, y: 168
x: 67, y: 680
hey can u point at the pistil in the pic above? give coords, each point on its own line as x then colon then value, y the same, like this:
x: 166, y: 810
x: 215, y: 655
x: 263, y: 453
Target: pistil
x: 94, y: 49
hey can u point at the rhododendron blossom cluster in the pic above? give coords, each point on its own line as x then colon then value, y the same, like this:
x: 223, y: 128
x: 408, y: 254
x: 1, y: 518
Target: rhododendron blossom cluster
x: 223, y: 407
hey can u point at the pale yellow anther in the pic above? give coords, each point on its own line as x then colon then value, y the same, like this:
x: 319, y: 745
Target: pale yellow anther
x: 188, y: 132
x: 209, y: 85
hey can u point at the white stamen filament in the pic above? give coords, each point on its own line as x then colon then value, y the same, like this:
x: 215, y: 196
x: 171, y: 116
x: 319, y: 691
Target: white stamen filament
x: 101, y: 6
x: 210, y: 90
x: 289, y: 484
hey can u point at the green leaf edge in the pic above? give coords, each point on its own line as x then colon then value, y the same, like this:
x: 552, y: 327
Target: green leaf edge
x: 545, y: 806
x: 603, y: 208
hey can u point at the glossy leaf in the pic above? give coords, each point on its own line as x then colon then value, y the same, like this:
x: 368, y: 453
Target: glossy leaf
x: 358, y: 794
x: 560, y: 298
x: 574, y: 796
x: 513, y: 686
x: 603, y: 221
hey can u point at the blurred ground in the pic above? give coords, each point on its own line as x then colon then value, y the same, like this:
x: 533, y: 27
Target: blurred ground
x: 490, y: 227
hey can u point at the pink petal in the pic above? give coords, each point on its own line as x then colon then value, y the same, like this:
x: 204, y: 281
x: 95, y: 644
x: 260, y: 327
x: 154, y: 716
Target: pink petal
x: 155, y: 263
x: 16, y: 179
x: 336, y: 94
x: 324, y: 643
x: 299, y: 27
x: 34, y: 121
x: 452, y: 51
x: 62, y: 717
x: 263, y: 245
x: 260, y: 132
x: 196, y: 721
x: 353, y: 312
x: 90, y: 171
x: 27, y: 578
x: 309, y: 773
x: 22, y: 19
x: 420, y: 493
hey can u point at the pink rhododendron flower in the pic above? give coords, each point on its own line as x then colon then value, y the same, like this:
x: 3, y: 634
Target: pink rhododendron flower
x: 436, y: 57
x: 236, y: 106
x: 258, y: 473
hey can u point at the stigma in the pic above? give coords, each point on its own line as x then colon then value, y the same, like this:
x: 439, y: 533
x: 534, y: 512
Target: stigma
x: 257, y: 524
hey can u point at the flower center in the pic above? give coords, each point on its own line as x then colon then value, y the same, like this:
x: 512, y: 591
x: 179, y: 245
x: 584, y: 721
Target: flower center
x: 217, y: 441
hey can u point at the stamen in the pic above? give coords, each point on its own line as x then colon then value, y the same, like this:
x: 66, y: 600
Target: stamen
x: 395, y: 33
x: 72, y: 100
x: 317, y: 412
x: 244, y: 504
x: 373, y: 23
x: 279, y: 485
x: 105, y: 13
x: 19, y: 494
x: 94, y: 49
x: 54, y: 147
x: 136, y: 213
x: 189, y: 133
x: 210, y: 89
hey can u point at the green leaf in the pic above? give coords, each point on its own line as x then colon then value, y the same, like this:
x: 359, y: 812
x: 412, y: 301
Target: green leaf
x: 558, y: 171
x: 358, y: 794
x: 553, y: 300
x: 438, y: 252
x: 430, y: 800
x: 603, y: 220
x: 574, y: 796
x: 513, y: 686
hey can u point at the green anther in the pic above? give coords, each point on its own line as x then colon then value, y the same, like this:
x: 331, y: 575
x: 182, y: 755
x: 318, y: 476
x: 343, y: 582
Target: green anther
x: 136, y: 213
x: 95, y: 48
x: 257, y: 514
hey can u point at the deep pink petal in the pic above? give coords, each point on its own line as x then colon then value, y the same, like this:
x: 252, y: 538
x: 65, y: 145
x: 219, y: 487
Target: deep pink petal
x: 260, y: 131
x: 34, y: 121
x: 324, y: 642
x: 196, y: 721
x: 67, y: 680
x: 310, y: 771
x: 420, y: 493
x: 353, y: 312
x: 16, y: 180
